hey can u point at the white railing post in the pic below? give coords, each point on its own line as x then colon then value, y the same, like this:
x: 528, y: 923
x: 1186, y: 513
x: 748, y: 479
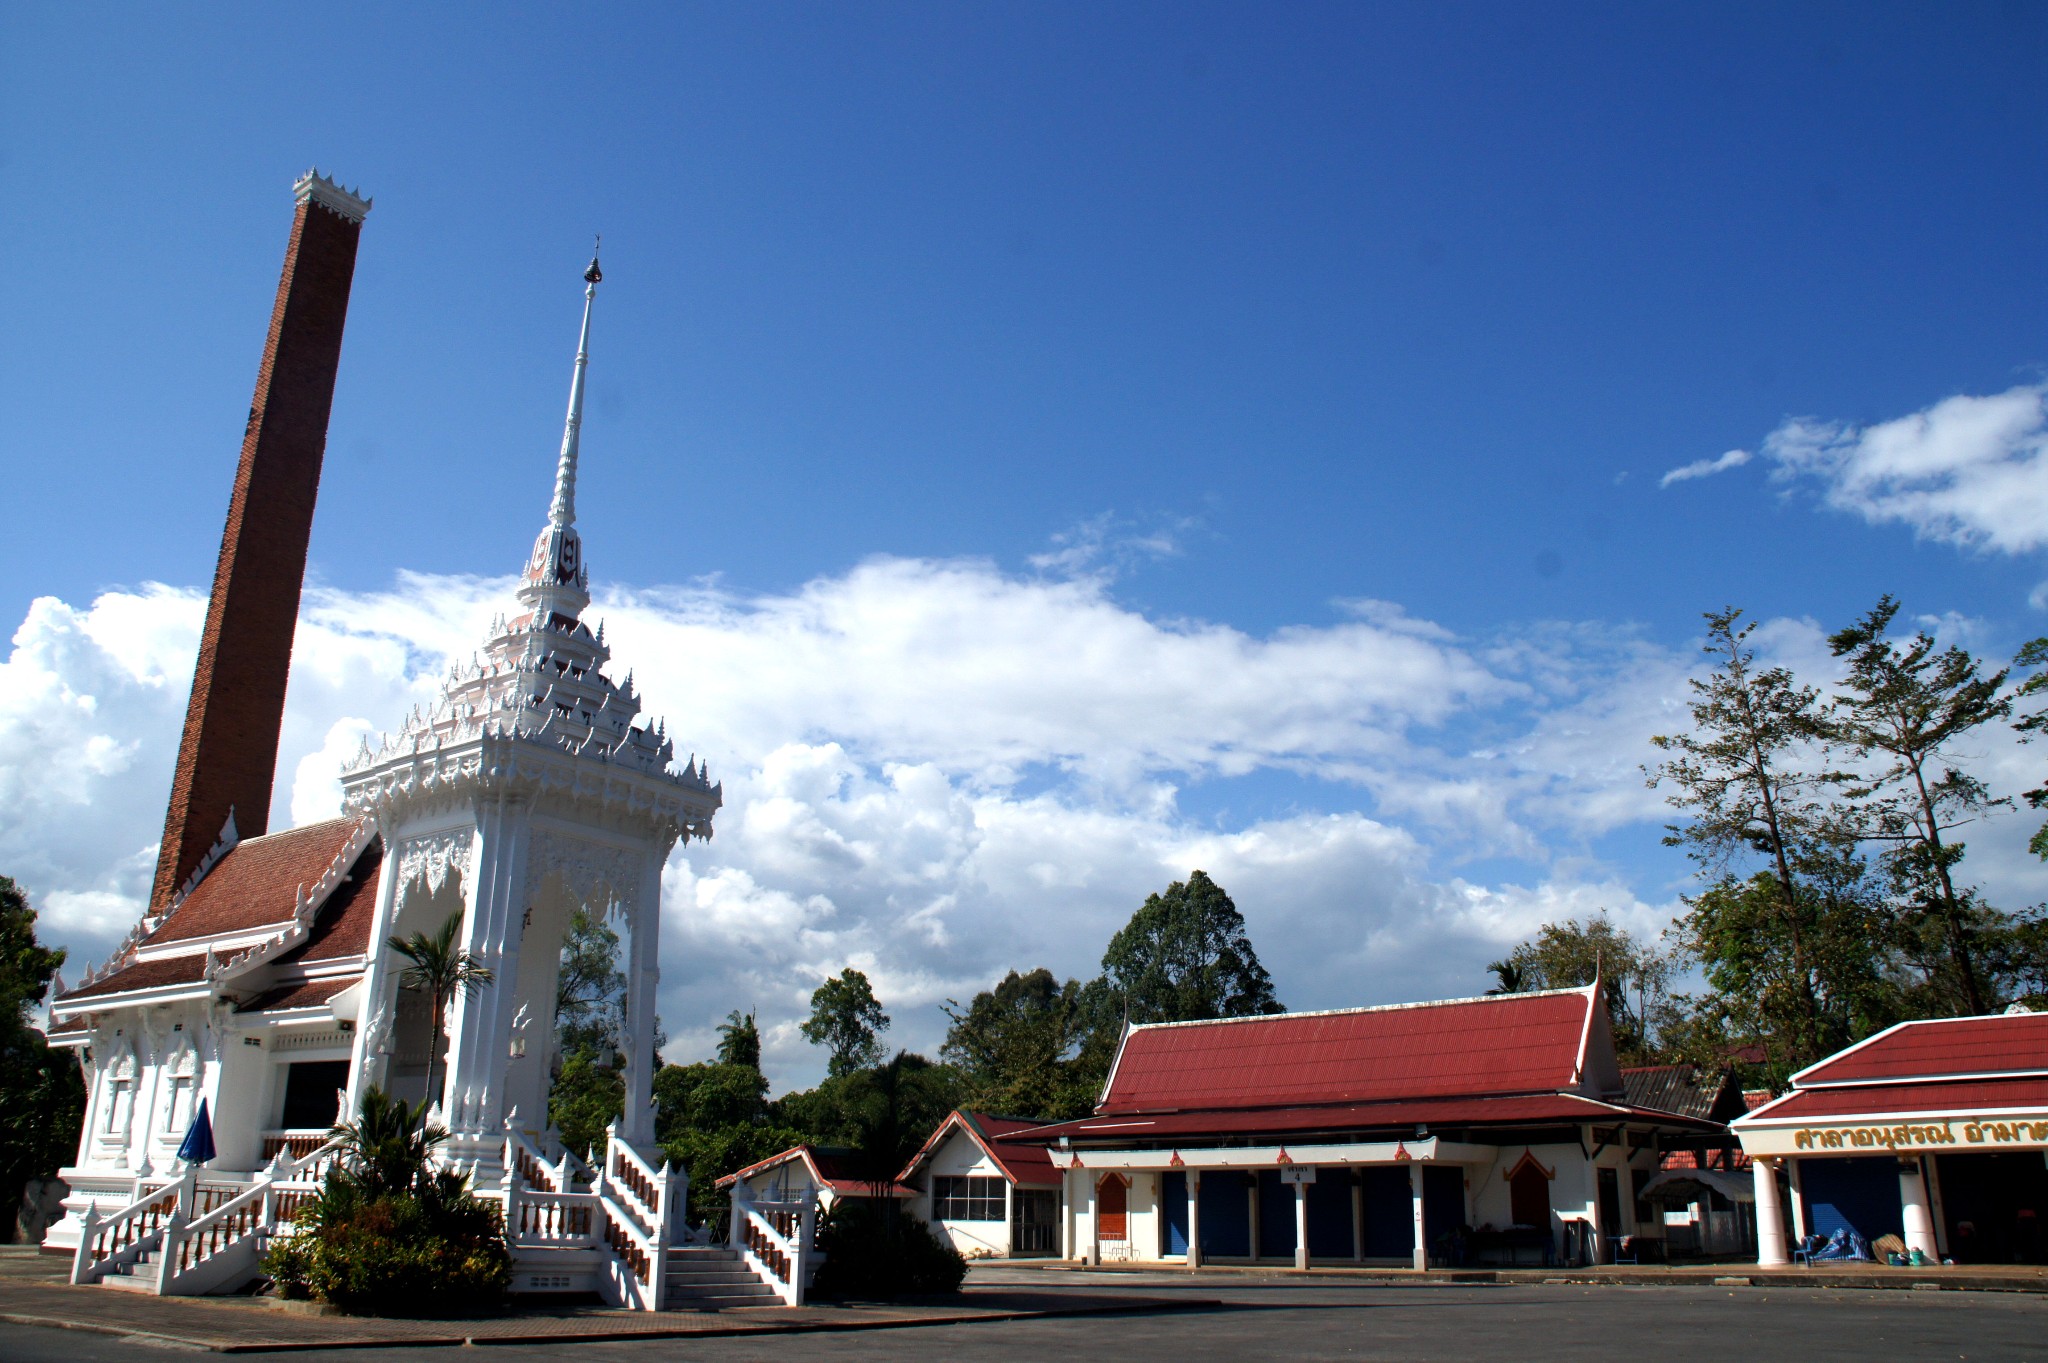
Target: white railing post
x: 168, y: 1247
x: 807, y: 1234
x: 81, y: 1258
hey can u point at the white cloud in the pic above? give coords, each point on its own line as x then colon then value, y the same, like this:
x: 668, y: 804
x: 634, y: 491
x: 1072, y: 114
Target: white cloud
x: 1969, y: 470
x: 1105, y: 546
x: 937, y: 771
x: 1705, y: 468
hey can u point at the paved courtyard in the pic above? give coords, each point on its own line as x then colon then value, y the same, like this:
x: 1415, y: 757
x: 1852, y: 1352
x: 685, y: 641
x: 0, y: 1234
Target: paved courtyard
x: 1251, y: 1317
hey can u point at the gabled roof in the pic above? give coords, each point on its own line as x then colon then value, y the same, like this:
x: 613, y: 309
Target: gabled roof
x: 1685, y: 1090
x: 251, y: 895
x: 829, y: 1167
x: 1021, y: 1164
x: 1938, y: 1048
x: 256, y: 884
x: 1501, y: 1044
x: 1396, y: 1117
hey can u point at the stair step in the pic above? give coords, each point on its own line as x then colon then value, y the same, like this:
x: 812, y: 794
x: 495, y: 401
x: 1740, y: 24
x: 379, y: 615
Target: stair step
x: 712, y: 1279
x: 711, y: 1302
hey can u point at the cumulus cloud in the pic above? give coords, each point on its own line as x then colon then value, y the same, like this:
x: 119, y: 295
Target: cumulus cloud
x: 1705, y: 468
x: 937, y: 771
x: 1970, y: 471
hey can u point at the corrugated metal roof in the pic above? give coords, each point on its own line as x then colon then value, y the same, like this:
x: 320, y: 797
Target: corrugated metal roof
x: 1510, y: 1043
x: 2007, y: 1043
x: 1396, y: 1117
x: 1993, y: 1097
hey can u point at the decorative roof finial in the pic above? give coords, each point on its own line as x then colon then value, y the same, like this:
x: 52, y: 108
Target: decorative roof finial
x: 555, y: 577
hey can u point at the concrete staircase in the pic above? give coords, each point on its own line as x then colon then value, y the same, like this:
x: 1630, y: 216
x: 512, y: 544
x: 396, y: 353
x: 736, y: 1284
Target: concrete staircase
x: 703, y: 1278
x: 141, y: 1276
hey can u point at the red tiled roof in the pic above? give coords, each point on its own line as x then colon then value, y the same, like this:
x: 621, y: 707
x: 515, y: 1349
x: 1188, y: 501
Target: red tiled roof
x: 829, y: 1168
x: 1026, y: 1164
x: 304, y: 994
x: 1886, y: 1101
x: 256, y: 884
x: 1396, y: 1116
x: 144, y: 975
x: 1512, y: 1043
x: 2005, y: 1044
x: 343, y: 928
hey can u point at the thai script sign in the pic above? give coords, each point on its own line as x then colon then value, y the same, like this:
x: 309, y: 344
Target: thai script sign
x: 1922, y: 1135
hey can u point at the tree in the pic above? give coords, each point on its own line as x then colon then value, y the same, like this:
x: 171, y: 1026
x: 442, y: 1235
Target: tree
x: 846, y: 1020
x: 712, y: 1120
x: 588, y: 1088
x: 1737, y: 931
x: 1016, y: 1046
x: 1750, y: 777
x: 883, y: 1113
x: 1901, y: 710
x: 40, y: 1088
x: 739, y: 1041
x: 441, y: 970
x: 1185, y: 956
x: 2035, y: 655
x: 1571, y: 955
x: 1508, y: 977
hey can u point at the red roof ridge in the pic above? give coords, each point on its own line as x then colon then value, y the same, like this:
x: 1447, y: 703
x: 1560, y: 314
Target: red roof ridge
x: 1369, y: 1008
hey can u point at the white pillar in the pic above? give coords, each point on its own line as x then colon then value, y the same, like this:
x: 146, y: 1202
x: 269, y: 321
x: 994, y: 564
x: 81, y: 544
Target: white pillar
x: 1301, y: 1226
x: 643, y: 977
x: 1094, y: 1255
x: 1421, y: 1230
x: 1798, y: 1191
x: 1194, y: 1218
x: 1770, y: 1216
x: 1913, y: 1203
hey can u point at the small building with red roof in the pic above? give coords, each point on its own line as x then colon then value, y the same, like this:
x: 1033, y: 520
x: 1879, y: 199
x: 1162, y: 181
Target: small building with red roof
x: 1464, y: 1130
x: 1933, y: 1131
x: 983, y: 1195
x: 824, y: 1174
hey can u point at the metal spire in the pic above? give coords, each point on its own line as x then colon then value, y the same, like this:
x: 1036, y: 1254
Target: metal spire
x: 563, y: 512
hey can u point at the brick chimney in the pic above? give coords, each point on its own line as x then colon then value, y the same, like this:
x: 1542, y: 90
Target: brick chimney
x: 228, y: 757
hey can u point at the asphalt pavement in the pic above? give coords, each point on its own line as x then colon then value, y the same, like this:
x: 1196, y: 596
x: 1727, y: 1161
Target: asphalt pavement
x: 1292, y: 1319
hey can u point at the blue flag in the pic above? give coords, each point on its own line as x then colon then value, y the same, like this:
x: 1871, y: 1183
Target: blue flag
x: 198, y: 1144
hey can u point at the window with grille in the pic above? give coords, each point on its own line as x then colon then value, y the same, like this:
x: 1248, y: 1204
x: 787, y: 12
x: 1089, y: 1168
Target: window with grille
x: 967, y: 1199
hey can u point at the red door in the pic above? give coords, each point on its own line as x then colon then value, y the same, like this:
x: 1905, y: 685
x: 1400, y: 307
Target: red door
x: 1112, y: 1204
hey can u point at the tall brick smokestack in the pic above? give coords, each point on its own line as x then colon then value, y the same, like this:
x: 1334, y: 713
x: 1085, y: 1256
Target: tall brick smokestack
x: 228, y: 757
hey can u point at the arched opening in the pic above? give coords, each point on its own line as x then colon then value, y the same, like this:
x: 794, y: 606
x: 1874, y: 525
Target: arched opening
x: 1113, y: 1203
x: 1529, y: 1193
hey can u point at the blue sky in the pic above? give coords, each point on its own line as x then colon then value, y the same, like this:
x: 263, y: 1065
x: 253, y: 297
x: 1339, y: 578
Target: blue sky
x: 1202, y: 322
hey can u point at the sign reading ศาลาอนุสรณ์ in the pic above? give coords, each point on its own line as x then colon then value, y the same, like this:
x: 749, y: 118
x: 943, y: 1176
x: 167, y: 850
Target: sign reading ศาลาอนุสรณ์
x: 1922, y: 1134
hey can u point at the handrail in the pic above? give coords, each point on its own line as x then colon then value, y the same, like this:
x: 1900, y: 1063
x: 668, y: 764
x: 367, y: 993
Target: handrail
x: 775, y: 1240
x: 109, y: 1245
x: 254, y: 1212
x: 640, y: 1255
x: 554, y: 1219
x: 644, y: 1188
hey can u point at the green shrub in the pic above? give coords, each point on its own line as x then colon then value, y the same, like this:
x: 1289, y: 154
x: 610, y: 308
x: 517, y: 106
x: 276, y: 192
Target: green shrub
x: 434, y: 1250
x: 875, y: 1251
x: 387, y: 1236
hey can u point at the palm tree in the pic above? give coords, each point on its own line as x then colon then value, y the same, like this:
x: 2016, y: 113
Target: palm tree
x: 441, y: 970
x: 387, y: 1146
x: 1511, y: 977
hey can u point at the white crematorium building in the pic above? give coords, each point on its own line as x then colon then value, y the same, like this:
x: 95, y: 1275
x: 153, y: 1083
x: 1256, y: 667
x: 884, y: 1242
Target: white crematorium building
x: 533, y: 787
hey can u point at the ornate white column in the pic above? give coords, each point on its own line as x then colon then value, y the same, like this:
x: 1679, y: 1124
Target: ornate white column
x: 480, y: 1026
x: 1194, y: 1218
x: 1770, y: 1216
x: 1301, y: 1226
x: 1421, y: 1228
x: 643, y: 977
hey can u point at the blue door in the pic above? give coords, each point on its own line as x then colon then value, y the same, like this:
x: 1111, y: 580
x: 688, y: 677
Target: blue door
x: 1862, y: 1194
x: 1276, y: 1216
x: 1389, y: 1212
x: 1226, y: 1215
x: 1173, y: 1205
x: 1329, y: 1214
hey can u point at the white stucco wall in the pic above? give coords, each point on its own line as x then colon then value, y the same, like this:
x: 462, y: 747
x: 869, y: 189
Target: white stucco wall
x: 959, y: 1157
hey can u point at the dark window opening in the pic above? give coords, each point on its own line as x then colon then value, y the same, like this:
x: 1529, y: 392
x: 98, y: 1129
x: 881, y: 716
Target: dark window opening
x: 310, y: 1100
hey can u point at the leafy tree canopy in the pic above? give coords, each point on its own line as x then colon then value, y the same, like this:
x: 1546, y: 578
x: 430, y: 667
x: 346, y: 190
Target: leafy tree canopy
x: 739, y: 1040
x: 1568, y: 955
x: 847, y: 1021
x: 1185, y: 956
x: 1017, y: 1047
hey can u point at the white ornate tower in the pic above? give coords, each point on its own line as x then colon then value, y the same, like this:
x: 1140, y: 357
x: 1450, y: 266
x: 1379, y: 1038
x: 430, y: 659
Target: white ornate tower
x: 531, y: 789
